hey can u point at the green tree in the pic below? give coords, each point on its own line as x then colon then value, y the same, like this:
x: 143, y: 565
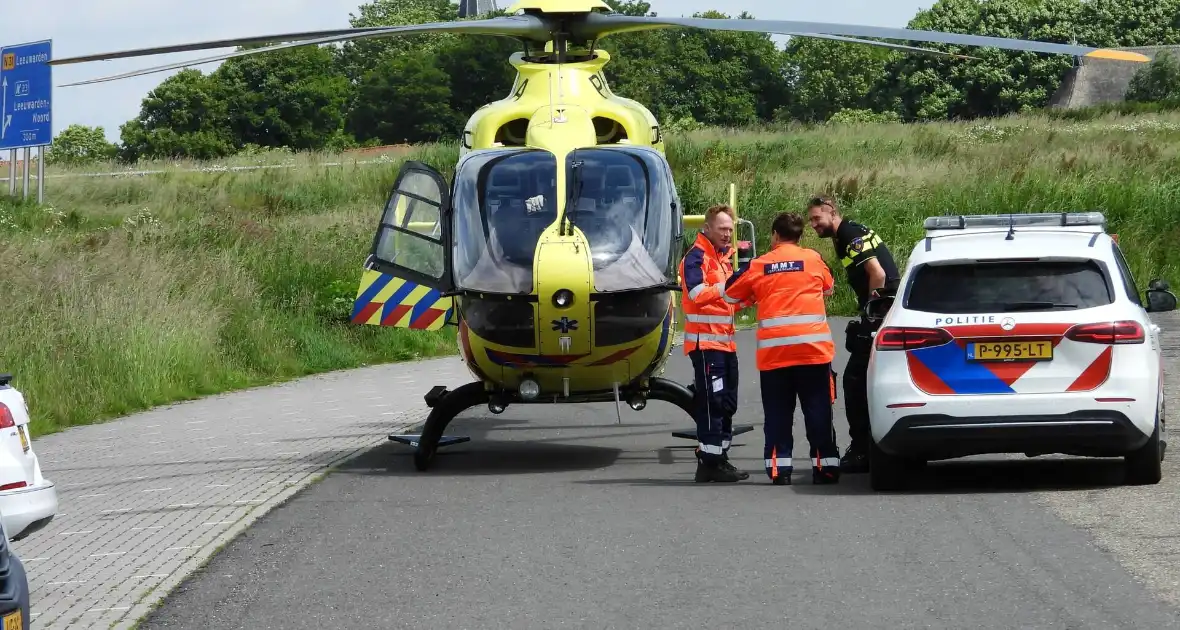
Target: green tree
x: 184, y: 116
x: 356, y: 58
x: 1156, y: 82
x: 1004, y: 81
x: 404, y: 99
x: 999, y: 82
x: 79, y: 144
x: 712, y: 77
x: 293, y: 97
x: 826, y: 77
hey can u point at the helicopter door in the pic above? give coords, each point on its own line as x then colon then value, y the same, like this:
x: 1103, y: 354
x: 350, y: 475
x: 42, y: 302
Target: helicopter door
x: 407, y: 275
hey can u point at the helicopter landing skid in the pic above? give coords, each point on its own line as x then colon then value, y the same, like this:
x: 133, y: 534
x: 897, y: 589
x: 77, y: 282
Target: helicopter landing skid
x: 444, y: 406
x: 682, y: 396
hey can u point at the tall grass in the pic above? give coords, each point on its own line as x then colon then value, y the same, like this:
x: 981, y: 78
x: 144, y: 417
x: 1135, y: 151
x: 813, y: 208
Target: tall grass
x: 132, y: 291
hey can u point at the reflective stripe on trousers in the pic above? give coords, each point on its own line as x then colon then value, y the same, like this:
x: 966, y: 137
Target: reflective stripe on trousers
x: 785, y: 462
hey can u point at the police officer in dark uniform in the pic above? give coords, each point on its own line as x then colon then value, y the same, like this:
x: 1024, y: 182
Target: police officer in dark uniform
x: 870, y: 268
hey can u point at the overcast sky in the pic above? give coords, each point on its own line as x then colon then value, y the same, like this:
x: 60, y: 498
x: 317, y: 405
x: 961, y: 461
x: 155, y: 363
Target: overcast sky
x: 83, y: 27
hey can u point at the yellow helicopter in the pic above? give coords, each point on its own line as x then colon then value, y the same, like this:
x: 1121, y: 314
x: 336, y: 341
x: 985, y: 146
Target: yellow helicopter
x: 555, y: 248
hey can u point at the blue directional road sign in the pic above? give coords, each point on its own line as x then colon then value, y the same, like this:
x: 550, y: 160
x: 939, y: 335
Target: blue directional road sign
x: 27, y: 101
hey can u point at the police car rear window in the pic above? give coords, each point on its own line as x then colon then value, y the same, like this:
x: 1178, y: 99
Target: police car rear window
x: 1016, y: 286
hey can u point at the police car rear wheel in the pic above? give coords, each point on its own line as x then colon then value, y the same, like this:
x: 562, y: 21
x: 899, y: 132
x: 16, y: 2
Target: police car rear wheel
x: 886, y: 472
x: 1143, y: 466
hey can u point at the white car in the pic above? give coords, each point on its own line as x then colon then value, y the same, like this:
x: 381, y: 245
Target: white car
x: 1017, y: 333
x: 28, y: 501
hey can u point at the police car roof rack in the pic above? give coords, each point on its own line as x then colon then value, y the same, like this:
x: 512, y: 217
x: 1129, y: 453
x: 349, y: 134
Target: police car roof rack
x: 1012, y: 220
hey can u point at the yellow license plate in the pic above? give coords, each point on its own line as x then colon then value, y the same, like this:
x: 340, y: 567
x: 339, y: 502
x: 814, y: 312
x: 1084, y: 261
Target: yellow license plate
x: 1010, y: 351
x: 24, y: 439
x: 14, y: 621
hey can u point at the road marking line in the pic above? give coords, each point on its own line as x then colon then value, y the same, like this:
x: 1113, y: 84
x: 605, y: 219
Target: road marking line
x: 219, y: 485
x: 178, y: 548
x: 116, y: 510
x: 217, y: 523
x: 89, y: 531
x: 88, y: 496
x: 66, y: 582
x: 155, y: 490
x: 140, y: 577
x: 105, y: 609
x: 135, y: 529
x: 113, y: 553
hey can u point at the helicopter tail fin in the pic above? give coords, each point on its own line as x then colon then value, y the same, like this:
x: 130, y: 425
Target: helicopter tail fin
x: 386, y: 300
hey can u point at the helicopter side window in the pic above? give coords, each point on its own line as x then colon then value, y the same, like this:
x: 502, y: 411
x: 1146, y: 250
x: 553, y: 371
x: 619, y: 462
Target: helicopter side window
x: 504, y: 200
x: 614, y: 191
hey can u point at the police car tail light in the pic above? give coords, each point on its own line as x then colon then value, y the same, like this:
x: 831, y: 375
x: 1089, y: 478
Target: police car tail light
x: 1108, y: 333
x: 906, y: 338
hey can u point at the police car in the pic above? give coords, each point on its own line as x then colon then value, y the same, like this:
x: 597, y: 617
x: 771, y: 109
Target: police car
x: 1019, y: 333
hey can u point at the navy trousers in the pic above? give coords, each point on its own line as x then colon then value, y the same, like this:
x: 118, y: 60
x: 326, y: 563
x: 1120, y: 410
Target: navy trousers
x: 813, y: 386
x: 715, y: 382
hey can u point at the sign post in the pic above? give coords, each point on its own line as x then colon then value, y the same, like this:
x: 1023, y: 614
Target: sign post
x: 26, y: 104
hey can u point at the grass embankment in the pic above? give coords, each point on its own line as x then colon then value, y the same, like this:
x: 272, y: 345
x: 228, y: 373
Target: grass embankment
x: 124, y: 293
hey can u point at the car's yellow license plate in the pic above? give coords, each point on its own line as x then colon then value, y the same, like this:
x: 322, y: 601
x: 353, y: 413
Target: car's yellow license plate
x: 1010, y: 351
x: 14, y: 621
x: 24, y: 439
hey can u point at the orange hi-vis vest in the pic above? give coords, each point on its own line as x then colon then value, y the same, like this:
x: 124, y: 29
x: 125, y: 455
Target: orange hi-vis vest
x: 708, y: 318
x: 788, y: 284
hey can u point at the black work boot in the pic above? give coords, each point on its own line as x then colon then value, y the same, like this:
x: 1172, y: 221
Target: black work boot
x: 855, y: 460
x: 825, y: 476
x: 716, y: 471
x: 726, y: 465
x: 781, y: 480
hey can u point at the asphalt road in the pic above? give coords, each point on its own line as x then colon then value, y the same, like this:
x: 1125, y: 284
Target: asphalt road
x: 559, y: 517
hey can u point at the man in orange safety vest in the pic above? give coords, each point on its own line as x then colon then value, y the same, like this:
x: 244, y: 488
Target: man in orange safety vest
x: 709, y: 344
x: 795, y: 348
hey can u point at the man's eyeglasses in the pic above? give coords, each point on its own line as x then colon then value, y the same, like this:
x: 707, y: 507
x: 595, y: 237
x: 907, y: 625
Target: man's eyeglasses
x: 821, y: 201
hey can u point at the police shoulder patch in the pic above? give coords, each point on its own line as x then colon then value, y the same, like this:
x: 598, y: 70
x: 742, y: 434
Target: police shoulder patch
x: 783, y: 265
x: 857, y: 245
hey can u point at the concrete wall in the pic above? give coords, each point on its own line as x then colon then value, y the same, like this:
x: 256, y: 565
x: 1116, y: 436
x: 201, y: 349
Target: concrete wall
x: 1099, y: 81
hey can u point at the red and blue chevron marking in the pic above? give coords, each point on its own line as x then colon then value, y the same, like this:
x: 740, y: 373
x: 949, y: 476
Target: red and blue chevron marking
x: 945, y: 369
x: 422, y: 310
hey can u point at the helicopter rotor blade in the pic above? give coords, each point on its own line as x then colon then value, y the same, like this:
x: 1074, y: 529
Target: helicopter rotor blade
x: 597, y: 25
x: 521, y: 26
x: 221, y: 43
x: 869, y: 42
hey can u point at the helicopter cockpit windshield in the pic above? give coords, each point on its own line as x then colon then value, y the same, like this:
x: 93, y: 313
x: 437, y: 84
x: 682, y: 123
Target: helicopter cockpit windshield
x: 503, y: 201
x: 622, y: 198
